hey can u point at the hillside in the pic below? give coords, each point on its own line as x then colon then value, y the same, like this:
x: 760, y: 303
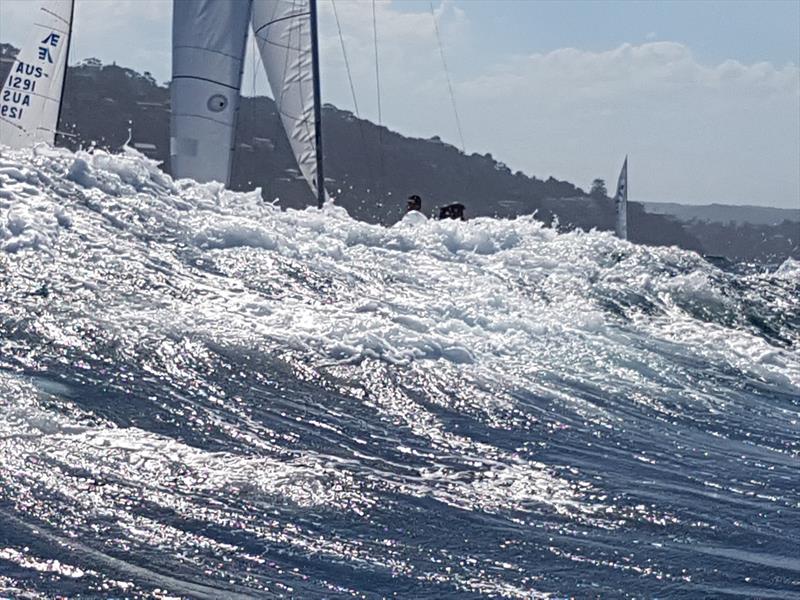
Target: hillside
x: 725, y: 213
x: 370, y: 169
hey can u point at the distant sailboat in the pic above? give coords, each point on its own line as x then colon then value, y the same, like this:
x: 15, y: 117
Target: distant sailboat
x: 621, y: 202
x: 31, y: 96
x: 209, y: 40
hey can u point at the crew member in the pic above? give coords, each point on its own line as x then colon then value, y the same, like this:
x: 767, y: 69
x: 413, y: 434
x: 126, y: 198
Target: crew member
x: 414, y: 203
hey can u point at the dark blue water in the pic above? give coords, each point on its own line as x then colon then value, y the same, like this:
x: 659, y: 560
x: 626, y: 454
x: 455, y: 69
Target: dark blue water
x: 204, y: 397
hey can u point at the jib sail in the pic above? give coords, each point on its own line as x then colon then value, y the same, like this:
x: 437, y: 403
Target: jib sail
x: 285, y: 32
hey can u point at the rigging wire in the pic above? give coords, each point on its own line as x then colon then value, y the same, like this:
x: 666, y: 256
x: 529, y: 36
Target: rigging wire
x: 253, y: 99
x: 346, y: 61
x: 447, y: 75
x: 352, y: 86
x: 254, y: 67
x: 378, y: 93
x: 377, y: 63
x: 254, y: 52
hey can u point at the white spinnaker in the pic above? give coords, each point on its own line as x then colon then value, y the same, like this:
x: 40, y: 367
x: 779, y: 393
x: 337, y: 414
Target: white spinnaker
x: 283, y: 32
x: 208, y: 44
x: 30, y: 98
x: 621, y: 201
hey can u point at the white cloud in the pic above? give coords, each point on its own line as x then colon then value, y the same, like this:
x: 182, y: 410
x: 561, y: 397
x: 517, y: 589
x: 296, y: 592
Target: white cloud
x: 410, y: 64
x: 727, y: 132
x: 134, y: 33
x: 696, y: 133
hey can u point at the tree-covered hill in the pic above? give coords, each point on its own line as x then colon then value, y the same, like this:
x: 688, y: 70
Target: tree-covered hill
x: 371, y: 170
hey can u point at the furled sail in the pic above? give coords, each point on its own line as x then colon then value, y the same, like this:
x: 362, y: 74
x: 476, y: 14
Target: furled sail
x: 284, y: 34
x: 621, y: 201
x: 208, y: 44
x: 30, y: 99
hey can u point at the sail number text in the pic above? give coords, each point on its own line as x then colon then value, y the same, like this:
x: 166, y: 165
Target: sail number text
x: 15, y: 95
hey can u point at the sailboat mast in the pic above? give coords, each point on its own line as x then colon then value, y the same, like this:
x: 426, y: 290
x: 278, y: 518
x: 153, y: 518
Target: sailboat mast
x: 64, y: 75
x: 317, y: 103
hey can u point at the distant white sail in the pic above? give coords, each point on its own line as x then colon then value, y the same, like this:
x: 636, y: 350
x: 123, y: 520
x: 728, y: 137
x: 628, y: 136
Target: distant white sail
x: 283, y: 32
x: 208, y: 44
x: 621, y: 201
x: 30, y: 99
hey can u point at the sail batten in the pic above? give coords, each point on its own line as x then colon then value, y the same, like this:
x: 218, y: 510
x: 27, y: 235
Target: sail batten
x: 31, y: 95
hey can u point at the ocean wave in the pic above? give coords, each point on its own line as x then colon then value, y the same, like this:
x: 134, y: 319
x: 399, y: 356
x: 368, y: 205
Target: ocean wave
x: 204, y: 395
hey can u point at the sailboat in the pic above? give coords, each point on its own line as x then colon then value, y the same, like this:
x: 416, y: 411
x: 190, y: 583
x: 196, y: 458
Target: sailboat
x: 208, y: 43
x: 621, y: 202
x: 32, y: 94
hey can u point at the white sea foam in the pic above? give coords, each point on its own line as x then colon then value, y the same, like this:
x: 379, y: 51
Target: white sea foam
x: 107, y: 260
x: 486, y: 292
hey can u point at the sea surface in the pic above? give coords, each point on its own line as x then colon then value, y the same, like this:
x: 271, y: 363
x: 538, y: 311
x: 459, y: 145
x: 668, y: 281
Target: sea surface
x: 203, y: 396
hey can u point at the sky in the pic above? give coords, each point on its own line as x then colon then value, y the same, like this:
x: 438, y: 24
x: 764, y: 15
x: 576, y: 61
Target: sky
x: 703, y: 96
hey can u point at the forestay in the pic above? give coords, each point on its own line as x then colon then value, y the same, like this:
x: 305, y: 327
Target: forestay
x: 208, y: 45
x: 30, y: 98
x: 283, y: 32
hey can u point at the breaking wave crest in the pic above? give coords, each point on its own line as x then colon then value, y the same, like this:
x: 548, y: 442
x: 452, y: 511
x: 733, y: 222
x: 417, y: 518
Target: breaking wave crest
x: 202, y: 395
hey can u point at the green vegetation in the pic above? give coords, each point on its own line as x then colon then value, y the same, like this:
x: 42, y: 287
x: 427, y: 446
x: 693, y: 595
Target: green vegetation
x: 372, y: 170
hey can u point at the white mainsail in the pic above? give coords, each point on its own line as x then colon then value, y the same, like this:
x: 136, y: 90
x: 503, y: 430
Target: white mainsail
x: 621, y: 201
x: 30, y: 99
x: 208, y: 45
x: 284, y: 31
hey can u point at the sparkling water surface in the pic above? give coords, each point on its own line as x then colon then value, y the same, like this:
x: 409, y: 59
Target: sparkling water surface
x: 202, y: 396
